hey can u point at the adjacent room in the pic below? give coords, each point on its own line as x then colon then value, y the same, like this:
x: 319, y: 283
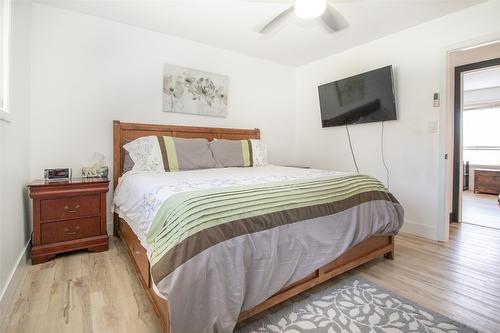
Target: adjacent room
x: 249, y: 166
x: 481, y: 147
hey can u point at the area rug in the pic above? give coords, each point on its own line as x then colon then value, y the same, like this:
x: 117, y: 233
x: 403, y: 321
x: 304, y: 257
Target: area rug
x: 352, y: 305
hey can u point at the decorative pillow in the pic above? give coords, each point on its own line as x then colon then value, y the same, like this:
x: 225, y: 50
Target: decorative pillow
x: 185, y: 154
x: 145, y: 153
x: 239, y: 153
x: 259, y: 152
x: 167, y: 153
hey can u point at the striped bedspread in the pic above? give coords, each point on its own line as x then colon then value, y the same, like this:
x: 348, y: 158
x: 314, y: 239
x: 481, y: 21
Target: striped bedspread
x: 216, y: 252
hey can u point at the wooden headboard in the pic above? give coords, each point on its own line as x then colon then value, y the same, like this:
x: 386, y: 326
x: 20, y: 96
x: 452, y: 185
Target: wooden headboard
x: 123, y: 132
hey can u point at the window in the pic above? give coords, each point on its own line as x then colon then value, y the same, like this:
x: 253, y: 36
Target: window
x: 4, y: 56
x: 482, y: 136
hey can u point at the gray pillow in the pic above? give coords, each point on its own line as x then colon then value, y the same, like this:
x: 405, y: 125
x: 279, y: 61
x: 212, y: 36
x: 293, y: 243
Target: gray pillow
x: 232, y: 153
x: 191, y: 154
x: 167, y: 153
x: 128, y: 164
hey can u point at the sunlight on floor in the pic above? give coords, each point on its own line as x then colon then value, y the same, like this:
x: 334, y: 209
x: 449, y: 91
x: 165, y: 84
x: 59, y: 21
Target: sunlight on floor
x: 481, y: 209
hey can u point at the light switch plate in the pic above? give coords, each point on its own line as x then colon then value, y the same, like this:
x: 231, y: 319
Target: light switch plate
x: 432, y: 126
x: 435, y: 101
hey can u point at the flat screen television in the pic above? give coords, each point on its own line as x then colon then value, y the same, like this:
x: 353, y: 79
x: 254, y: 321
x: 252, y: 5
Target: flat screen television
x: 363, y: 98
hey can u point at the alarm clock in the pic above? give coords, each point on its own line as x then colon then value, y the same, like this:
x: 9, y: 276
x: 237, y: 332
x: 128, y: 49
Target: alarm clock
x: 59, y: 173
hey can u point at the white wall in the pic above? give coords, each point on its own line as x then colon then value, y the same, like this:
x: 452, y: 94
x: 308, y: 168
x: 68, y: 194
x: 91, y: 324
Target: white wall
x: 412, y: 151
x: 88, y: 71
x: 14, y: 152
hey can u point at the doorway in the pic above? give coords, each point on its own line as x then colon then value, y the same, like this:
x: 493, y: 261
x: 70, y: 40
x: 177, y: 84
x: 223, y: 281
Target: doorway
x: 476, y: 158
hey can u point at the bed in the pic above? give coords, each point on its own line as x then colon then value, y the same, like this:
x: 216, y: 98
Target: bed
x: 358, y: 247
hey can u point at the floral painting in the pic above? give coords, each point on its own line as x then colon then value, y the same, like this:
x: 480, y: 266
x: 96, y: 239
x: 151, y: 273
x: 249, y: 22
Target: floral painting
x: 193, y: 91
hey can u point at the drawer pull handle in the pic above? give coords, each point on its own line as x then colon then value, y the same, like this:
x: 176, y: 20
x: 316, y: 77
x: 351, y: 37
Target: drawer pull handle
x: 67, y: 232
x: 74, y: 210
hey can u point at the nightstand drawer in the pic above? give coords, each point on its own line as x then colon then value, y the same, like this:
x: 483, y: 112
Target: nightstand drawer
x: 54, y: 232
x: 70, y: 207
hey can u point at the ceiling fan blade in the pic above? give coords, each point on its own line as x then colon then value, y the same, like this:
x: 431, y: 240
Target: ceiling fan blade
x: 333, y: 19
x: 342, y: 1
x: 275, y: 21
x: 209, y: 1
x: 270, y: 1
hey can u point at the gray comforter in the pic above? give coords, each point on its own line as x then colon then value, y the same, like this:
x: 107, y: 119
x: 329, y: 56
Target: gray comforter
x: 218, y: 252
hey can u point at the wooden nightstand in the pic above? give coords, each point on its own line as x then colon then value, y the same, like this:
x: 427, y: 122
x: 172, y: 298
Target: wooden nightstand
x: 68, y: 215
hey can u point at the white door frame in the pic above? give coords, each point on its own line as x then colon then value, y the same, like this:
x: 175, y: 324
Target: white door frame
x: 446, y: 130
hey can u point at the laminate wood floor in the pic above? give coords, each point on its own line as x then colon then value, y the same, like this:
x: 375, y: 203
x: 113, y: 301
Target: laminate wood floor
x: 100, y: 292
x: 481, y: 209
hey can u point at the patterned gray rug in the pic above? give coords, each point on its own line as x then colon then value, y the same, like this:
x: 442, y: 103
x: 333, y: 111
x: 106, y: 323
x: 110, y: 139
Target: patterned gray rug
x: 351, y: 305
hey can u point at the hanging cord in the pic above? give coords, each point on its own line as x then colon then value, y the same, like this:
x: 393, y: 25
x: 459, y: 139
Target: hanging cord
x: 383, y: 157
x: 352, y: 152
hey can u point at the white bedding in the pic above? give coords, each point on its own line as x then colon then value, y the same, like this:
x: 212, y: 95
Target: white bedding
x: 139, y: 195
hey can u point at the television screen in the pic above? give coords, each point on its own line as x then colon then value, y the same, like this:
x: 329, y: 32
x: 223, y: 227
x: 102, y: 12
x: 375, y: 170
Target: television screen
x: 363, y: 98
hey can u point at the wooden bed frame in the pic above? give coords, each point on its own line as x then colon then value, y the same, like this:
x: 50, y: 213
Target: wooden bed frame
x: 365, y: 251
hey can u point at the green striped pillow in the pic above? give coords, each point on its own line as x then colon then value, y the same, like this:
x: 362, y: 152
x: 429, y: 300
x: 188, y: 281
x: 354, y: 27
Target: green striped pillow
x: 167, y: 153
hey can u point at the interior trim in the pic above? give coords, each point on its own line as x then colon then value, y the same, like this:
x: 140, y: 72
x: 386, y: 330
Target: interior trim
x: 457, y: 130
x: 14, y: 280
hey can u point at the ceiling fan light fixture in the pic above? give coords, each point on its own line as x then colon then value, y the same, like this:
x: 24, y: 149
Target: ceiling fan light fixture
x: 308, y: 9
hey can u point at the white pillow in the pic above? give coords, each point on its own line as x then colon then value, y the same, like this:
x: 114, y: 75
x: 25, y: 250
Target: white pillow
x: 146, y: 154
x: 259, y: 153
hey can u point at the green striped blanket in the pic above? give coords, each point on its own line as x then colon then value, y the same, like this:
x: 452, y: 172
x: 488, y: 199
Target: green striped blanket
x: 190, y: 222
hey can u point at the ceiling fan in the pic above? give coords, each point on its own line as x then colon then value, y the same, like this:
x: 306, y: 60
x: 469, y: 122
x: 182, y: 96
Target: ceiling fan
x: 309, y: 9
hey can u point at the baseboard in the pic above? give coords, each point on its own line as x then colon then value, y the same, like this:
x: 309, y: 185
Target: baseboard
x: 14, y: 282
x: 421, y: 230
x: 109, y: 228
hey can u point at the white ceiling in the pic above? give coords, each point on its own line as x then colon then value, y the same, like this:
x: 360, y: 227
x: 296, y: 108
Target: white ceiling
x: 233, y: 24
x: 487, y: 78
